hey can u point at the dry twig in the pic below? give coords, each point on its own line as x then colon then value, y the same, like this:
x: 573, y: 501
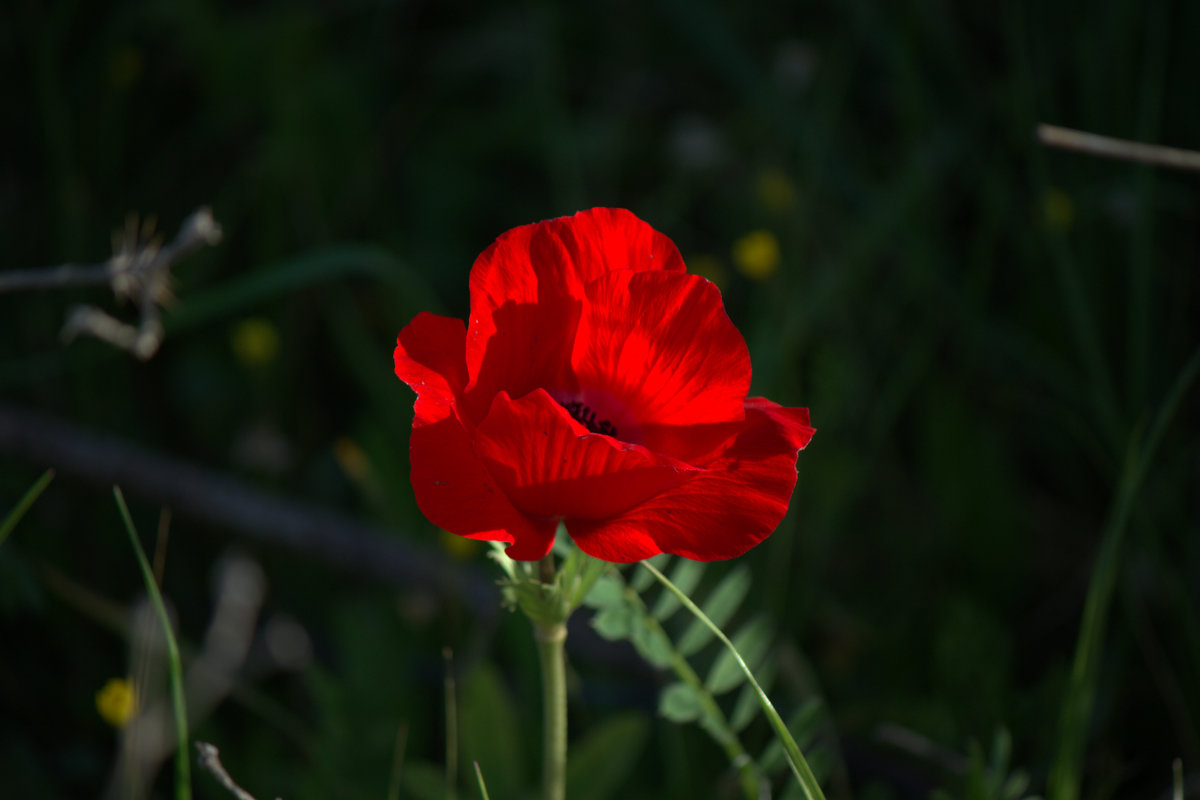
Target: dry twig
x: 1122, y: 149
x: 139, y: 271
x: 210, y: 759
x: 220, y: 499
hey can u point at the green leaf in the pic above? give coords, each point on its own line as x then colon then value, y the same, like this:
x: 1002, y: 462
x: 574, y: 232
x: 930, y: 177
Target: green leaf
x: 573, y: 557
x: 804, y: 725
x: 601, y: 763
x: 334, y: 263
x: 720, y: 606
x: 795, y: 758
x: 20, y: 588
x: 1014, y: 788
x: 752, y: 642
x: 680, y: 702
x: 608, y: 591
x: 651, y: 642
x: 490, y: 730
x: 590, y: 572
x: 640, y: 581
x: 820, y: 761
x: 686, y: 576
x: 615, y: 622
x: 715, y: 726
x: 423, y: 781
x: 747, y: 707
x: 793, y: 791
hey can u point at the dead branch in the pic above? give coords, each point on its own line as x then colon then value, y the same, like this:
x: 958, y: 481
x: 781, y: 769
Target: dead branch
x: 219, y: 499
x: 138, y: 271
x: 210, y: 760
x: 1122, y: 149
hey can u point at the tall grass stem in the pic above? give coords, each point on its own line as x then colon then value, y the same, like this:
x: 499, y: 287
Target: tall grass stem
x: 1066, y: 773
x: 22, y: 506
x: 799, y: 765
x: 183, y: 778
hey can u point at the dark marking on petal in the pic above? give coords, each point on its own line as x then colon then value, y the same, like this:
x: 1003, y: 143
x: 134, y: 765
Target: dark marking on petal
x: 585, y: 415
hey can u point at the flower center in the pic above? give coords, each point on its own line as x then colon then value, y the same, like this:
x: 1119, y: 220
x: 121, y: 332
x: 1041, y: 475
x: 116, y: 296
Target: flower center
x: 585, y: 414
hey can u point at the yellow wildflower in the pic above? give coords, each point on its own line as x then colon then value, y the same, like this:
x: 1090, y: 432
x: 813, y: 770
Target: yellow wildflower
x: 459, y: 547
x: 776, y: 191
x: 255, y: 342
x: 125, y: 67
x: 117, y: 702
x: 756, y: 255
x: 1057, y: 209
x: 351, y: 458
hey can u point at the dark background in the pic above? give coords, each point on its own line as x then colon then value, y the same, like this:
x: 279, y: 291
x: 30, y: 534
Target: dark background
x: 984, y: 329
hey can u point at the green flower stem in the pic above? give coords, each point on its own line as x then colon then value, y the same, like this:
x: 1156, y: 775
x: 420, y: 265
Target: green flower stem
x: 550, y: 639
x: 799, y: 765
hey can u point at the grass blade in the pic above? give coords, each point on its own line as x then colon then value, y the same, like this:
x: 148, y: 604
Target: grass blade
x: 482, y: 785
x: 1066, y: 772
x: 183, y: 778
x: 398, y: 762
x: 451, y: 697
x: 23, y: 505
x: 803, y: 773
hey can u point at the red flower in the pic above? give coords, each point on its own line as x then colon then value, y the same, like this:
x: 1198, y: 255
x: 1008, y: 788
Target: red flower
x: 598, y: 383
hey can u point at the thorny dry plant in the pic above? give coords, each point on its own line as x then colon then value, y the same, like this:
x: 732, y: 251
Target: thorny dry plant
x: 139, y: 272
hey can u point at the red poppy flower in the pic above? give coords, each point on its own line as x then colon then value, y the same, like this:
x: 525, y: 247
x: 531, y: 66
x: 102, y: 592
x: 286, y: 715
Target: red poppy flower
x: 599, y: 384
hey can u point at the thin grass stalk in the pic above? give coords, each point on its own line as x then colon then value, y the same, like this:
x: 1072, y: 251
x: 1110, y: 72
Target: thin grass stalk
x: 1066, y: 772
x: 394, y: 780
x: 738, y: 757
x: 482, y: 786
x: 795, y: 758
x: 1141, y: 256
x: 1065, y: 775
x: 24, y: 504
x: 451, y: 696
x: 183, y: 778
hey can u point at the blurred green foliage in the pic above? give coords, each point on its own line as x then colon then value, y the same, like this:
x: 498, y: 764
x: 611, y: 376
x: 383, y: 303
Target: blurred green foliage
x: 981, y: 328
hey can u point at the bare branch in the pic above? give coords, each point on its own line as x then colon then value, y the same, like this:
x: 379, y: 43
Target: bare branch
x: 210, y: 759
x: 141, y: 340
x: 58, y: 277
x: 139, y: 270
x: 1122, y: 149
x: 200, y: 493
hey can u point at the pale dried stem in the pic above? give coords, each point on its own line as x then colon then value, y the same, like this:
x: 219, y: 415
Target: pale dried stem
x: 147, y: 740
x: 139, y: 270
x: 210, y: 760
x: 1122, y: 149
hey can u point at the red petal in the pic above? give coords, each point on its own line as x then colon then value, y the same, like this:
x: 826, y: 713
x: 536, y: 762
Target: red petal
x: 452, y: 487
x: 456, y: 492
x: 602, y: 240
x: 429, y: 357
x: 551, y: 466
x: 662, y: 346
x: 735, y: 503
x: 529, y: 286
